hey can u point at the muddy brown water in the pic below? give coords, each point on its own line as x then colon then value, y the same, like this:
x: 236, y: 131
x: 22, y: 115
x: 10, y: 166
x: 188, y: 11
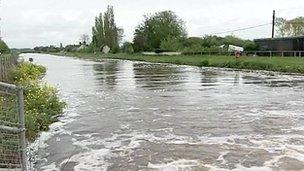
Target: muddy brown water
x: 125, y: 115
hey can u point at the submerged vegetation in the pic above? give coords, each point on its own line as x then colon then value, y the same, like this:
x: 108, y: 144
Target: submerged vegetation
x: 41, y: 101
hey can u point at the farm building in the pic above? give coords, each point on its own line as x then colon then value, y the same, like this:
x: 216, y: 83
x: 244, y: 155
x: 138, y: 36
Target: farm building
x: 281, y: 44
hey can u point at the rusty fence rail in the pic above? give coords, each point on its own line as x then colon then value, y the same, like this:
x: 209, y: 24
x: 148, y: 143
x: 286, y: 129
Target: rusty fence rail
x: 12, y: 128
x: 6, y: 63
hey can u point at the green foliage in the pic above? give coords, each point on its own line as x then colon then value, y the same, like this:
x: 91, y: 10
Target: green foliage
x: 213, y: 43
x: 47, y: 49
x: 71, y: 48
x: 205, y: 63
x: 209, y: 41
x: 157, y: 28
x: 41, y: 101
x: 171, y: 44
x: 290, y: 28
x: 193, y: 44
x: 105, y: 31
x: 250, y: 46
x: 3, y: 47
x: 127, y: 47
x: 42, y: 105
x: 232, y: 40
x: 26, y: 72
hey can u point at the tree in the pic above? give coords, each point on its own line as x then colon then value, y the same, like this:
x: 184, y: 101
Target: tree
x: 171, y: 44
x: 3, y: 47
x: 84, y: 39
x: 293, y: 27
x: 157, y: 28
x: 127, y: 47
x: 210, y: 41
x: 105, y: 31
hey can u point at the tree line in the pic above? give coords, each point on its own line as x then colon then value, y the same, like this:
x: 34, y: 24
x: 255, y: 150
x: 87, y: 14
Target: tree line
x: 164, y: 31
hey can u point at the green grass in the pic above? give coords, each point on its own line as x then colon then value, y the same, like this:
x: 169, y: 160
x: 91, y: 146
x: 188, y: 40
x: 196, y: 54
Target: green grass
x: 281, y: 64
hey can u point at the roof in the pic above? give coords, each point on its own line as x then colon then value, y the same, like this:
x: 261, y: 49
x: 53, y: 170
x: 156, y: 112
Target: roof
x: 280, y: 38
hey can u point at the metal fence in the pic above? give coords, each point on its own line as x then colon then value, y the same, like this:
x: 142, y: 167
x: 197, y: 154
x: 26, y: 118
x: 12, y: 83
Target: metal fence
x: 6, y: 63
x: 12, y: 128
x: 251, y: 53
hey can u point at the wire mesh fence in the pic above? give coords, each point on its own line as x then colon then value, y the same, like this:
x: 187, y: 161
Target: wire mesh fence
x: 12, y: 132
x: 6, y: 63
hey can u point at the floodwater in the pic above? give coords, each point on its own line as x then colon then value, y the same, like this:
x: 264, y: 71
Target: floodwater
x: 125, y: 115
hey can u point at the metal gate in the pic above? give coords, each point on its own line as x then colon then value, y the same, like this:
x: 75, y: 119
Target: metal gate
x: 12, y: 128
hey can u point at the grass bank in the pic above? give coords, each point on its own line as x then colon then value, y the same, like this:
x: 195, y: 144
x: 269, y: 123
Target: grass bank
x: 280, y: 64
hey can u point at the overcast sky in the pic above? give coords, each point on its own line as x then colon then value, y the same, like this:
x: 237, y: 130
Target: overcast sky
x: 29, y: 23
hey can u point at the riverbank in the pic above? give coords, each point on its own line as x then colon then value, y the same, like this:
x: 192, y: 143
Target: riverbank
x: 280, y: 64
x: 41, y: 101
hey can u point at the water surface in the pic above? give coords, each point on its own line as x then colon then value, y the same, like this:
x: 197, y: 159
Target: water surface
x: 125, y: 115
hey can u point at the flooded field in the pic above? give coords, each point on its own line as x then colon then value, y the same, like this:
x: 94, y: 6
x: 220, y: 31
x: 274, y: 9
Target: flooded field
x: 125, y: 115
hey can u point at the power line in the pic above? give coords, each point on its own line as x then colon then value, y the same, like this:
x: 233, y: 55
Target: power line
x: 241, y: 29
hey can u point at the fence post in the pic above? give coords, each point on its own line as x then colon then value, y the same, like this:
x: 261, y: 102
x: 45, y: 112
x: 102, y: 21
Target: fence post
x: 22, y: 127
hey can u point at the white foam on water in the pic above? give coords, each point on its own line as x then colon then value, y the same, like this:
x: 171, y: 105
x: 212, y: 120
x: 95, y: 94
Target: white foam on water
x: 124, y: 144
x: 178, y: 165
x: 221, y: 157
x: 57, y: 128
x: 125, y: 126
x: 92, y: 160
x: 238, y: 168
x: 50, y: 167
x: 242, y: 168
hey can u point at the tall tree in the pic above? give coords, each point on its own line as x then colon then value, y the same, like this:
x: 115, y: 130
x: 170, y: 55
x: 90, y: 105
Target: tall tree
x: 84, y: 39
x: 293, y: 27
x: 105, y: 31
x: 156, y: 28
x: 98, y: 39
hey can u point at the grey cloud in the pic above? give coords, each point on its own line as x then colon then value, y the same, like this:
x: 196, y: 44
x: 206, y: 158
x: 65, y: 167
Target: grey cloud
x: 28, y: 23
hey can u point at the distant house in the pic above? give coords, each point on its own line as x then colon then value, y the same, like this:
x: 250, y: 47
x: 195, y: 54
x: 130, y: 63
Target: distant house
x: 281, y: 44
x: 82, y: 47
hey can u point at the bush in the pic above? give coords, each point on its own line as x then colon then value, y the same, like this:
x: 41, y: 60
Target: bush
x: 127, y: 47
x: 42, y: 105
x: 205, y: 63
x: 171, y: 44
x: 41, y: 101
x: 25, y: 72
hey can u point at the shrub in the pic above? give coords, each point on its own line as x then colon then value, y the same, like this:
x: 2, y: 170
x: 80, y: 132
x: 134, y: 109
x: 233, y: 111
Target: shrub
x: 42, y: 105
x: 127, y: 47
x: 41, y: 101
x: 171, y: 44
x: 205, y: 63
x: 26, y: 72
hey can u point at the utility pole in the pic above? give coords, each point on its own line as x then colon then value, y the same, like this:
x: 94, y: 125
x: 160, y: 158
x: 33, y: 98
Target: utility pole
x: 273, y: 23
